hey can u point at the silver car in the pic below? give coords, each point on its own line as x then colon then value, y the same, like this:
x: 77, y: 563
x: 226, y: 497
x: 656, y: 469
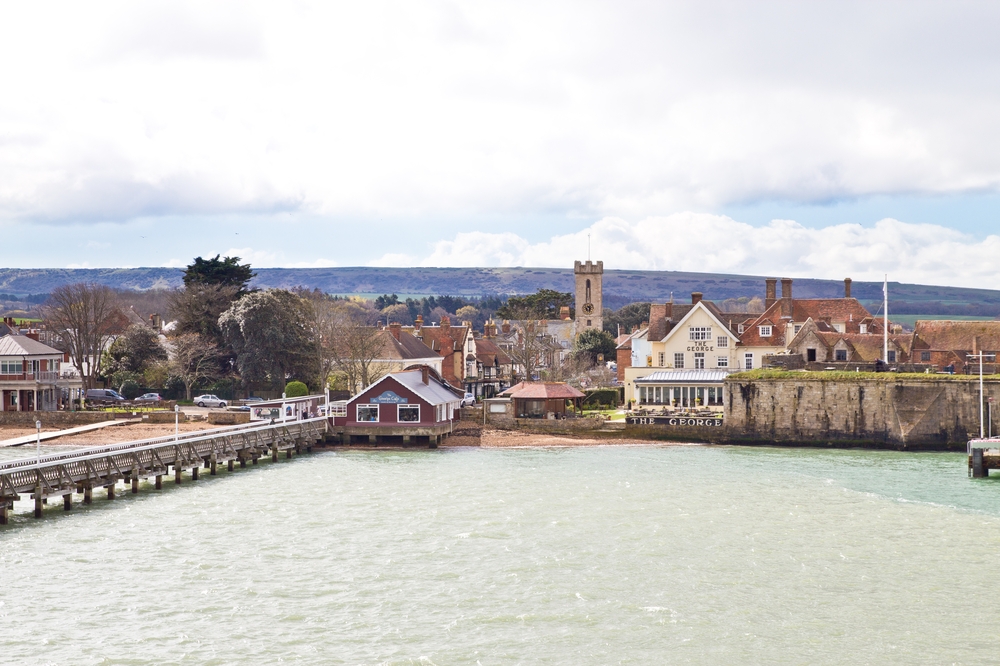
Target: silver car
x: 209, y: 400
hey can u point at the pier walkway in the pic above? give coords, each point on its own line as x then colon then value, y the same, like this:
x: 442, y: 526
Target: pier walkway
x: 82, y: 470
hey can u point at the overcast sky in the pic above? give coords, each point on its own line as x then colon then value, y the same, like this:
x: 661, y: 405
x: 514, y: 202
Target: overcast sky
x: 802, y: 139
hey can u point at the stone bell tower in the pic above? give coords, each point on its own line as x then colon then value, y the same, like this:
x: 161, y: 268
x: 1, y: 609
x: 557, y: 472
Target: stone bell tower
x: 589, y: 304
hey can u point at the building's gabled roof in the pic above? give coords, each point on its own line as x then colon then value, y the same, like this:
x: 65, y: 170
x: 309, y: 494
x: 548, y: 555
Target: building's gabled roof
x: 445, y: 340
x: 636, y: 335
x: 489, y: 353
x: 803, y: 309
x: 435, y: 391
x: 966, y: 336
x: 713, y: 313
x: 22, y: 345
x: 543, y: 391
x: 406, y: 348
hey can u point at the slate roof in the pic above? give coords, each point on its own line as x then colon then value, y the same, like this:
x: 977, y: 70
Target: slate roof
x: 543, y: 391
x: 434, y: 392
x: 405, y: 349
x: 22, y: 345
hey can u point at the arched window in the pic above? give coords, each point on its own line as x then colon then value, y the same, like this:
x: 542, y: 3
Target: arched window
x: 587, y: 299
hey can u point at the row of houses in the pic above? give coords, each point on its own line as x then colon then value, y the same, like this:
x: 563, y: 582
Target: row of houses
x: 681, y: 356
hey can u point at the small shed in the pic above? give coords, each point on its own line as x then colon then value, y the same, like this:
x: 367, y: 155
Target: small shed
x: 403, y: 407
x: 539, y: 400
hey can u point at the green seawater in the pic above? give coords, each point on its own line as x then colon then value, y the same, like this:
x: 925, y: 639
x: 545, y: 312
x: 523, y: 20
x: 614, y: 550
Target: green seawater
x: 605, y: 555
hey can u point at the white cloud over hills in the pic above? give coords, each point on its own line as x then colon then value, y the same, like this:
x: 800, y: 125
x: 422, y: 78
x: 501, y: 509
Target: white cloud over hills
x: 916, y: 253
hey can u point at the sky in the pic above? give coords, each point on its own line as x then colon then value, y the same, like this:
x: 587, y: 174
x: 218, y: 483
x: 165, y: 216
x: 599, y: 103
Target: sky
x: 819, y: 139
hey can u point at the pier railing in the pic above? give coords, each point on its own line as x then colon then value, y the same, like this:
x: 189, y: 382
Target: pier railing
x: 82, y: 470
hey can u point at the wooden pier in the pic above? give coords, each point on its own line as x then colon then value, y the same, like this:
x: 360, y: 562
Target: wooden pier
x: 82, y: 470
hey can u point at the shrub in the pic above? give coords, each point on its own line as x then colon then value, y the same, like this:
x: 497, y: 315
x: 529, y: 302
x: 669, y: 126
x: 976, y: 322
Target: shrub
x: 604, y: 396
x: 296, y: 389
x: 130, y: 389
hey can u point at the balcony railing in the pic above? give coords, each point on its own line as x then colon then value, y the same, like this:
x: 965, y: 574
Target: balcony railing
x: 47, y: 376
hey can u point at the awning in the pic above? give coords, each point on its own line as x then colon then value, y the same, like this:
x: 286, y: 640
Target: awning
x: 684, y: 377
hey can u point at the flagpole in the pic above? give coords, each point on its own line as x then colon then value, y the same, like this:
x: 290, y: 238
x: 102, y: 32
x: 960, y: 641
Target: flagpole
x: 885, y: 319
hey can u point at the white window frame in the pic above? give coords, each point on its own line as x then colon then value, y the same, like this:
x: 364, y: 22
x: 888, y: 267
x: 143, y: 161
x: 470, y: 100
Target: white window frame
x: 407, y: 407
x: 662, y: 358
x: 722, y: 342
x: 699, y: 333
x: 722, y: 361
x: 739, y: 328
x: 699, y: 360
x: 679, y: 360
x: 765, y: 331
x: 748, y: 361
x: 864, y: 329
x: 357, y: 412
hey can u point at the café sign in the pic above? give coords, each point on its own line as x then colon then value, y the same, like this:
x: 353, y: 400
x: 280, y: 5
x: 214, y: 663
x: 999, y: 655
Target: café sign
x: 389, y: 398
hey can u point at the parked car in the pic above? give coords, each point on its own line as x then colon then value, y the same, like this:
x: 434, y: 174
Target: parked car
x: 149, y: 397
x: 103, y: 396
x: 254, y: 398
x: 469, y: 400
x: 209, y: 400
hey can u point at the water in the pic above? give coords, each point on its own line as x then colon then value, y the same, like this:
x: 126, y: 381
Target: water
x: 630, y: 555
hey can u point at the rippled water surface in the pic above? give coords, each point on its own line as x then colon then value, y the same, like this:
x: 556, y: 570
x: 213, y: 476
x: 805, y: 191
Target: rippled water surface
x: 636, y: 555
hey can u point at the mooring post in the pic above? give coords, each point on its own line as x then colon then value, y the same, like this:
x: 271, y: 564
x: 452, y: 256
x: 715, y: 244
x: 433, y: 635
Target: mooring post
x: 159, y: 482
x: 978, y: 468
x: 88, y: 494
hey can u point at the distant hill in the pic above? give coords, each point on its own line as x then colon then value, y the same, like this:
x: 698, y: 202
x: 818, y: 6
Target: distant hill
x: 620, y: 286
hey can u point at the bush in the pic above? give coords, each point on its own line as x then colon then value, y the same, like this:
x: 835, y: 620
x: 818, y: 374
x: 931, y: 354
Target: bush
x: 173, y: 388
x: 606, y: 396
x: 130, y: 389
x: 296, y: 390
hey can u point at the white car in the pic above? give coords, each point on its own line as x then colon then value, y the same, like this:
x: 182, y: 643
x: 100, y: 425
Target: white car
x: 209, y: 400
x: 469, y: 400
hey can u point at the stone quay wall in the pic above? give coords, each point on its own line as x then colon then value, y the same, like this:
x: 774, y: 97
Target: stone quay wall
x: 890, y: 412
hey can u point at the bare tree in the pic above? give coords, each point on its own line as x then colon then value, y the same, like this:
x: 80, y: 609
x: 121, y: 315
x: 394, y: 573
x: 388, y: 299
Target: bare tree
x: 85, y: 317
x: 527, y: 346
x: 349, y: 343
x: 195, y: 359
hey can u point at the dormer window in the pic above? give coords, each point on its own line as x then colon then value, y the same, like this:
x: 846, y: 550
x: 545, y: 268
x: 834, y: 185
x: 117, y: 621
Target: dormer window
x: 864, y: 328
x: 765, y: 331
x: 739, y: 329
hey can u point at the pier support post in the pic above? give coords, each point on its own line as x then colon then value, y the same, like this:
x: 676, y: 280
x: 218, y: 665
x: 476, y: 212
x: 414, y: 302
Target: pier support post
x: 978, y: 468
x: 194, y: 473
x: 67, y: 502
x: 88, y: 494
x: 288, y: 454
x: 274, y: 453
x: 135, y: 484
x: 159, y: 482
x: 177, y: 474
x: 212, y: 466
x: 243, y: 462
x: 4, y: 508
x: 255, y: 456
x: 38, y: 503
x: 207, y: 463
x: 229, y: 465
x: 111, y: 491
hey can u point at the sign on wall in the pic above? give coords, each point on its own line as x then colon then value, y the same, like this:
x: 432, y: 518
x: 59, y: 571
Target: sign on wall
x: 389, y: 398
x: 673, y: 421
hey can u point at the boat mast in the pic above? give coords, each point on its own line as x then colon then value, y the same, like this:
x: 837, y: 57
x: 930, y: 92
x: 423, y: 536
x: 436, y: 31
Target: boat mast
x: 885, y: 319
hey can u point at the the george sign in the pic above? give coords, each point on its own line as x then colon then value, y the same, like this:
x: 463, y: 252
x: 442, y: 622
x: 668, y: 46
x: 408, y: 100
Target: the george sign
x: 674, y: 421
x: 389, y: 398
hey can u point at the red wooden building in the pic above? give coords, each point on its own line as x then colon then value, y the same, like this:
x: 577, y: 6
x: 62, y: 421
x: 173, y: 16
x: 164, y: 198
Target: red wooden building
x: 413, y: 406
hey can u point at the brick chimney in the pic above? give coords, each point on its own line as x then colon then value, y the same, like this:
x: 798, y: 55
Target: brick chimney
x: 695, y: 297
x: 395, y: 328
x: 786, y: 297
x: 418, y: 323
x: 564, y: 313
x: 445, y: 321
x: 505, y: 326
x: 847, y: 287
x: 770, y: 292
x: 424, y: 375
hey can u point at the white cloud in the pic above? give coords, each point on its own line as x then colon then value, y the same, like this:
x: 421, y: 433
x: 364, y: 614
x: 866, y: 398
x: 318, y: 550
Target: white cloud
x: 122, y: 110
x: 919, y: 253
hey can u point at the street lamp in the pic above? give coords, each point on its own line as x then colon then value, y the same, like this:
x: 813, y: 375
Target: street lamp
x: 177, y: 422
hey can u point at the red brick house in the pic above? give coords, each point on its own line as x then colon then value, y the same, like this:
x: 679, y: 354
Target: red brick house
x: 949, y: 343
x: 450, y: 343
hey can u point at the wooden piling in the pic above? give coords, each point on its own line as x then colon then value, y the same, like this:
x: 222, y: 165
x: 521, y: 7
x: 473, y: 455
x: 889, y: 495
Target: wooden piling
x: 229, y: 465
x: 274, y: 453
x: 159, y: 482
x: 288, y: 454
x: 67, y: 501
x: 4, y: 508
x: 978, y: 469
x: 135, y: 484
x: 212, y: 467
x: 243, y: 461
x: 194, y: 473
x: 177, y: 474
x: 111, y: 491
x: 38, y: 503
x: 88, y: 494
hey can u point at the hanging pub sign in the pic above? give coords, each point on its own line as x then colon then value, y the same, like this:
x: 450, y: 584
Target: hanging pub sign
x: 675, y: 421
x: 389, y: 398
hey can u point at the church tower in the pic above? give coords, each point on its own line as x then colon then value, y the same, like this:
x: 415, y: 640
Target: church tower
x: 589, y: 305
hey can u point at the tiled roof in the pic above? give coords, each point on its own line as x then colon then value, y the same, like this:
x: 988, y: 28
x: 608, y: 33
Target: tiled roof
x: 946, y: 335
x: 406, y: 348
x: 683, y: 377
x: 543, y: 391
x: 817, y: 309
x: 445, y: 340
x: 22, y: 345
x: 489, y: 353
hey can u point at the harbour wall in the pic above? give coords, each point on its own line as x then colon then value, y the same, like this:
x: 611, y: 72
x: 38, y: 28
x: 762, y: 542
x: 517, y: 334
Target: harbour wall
x: 899, y: 413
